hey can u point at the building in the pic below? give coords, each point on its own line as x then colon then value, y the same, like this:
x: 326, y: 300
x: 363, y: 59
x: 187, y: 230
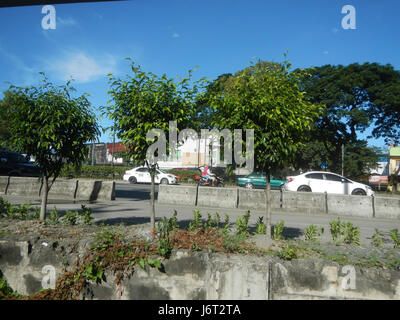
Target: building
x: 194, y: 153
x: 394, y: 164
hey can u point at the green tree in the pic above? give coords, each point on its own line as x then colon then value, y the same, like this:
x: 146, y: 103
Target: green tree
x: 266, y: 98
x: 144, y: 102
x: 4, y: 131
x: 48, y: 123
x: 356, y: 97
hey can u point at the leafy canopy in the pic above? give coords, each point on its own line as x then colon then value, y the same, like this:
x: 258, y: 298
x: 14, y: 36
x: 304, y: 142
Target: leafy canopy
x: 48, y: 123
x: 145, y: 101
x: 266, y: 98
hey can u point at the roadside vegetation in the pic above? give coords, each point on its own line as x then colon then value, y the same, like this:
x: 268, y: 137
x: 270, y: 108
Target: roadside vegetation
x: 114, y: 250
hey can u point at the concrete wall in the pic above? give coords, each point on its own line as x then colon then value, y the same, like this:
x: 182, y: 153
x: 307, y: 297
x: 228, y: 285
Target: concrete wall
x: 255, y: 199
x: 387, y: 208
x: 304, y: 202
x: 177, y: 195
x: 286, y: 201
x: 3, y: 184
x: 71, y: 189
x: 350, y: 205
x: 200, y: 275
x: 217, y: 197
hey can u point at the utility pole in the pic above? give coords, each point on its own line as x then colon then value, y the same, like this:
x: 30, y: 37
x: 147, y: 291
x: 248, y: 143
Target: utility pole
x: 112, y: 152
x: 93, y: 153
x: 342, y: 159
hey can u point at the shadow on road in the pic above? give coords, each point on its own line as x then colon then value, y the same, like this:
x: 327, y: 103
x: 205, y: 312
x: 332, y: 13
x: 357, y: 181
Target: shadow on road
x: 135, y: 194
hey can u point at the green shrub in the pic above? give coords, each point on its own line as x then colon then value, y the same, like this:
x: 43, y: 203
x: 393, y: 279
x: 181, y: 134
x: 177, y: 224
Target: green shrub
x: 312, y: 233
x: 260, y: 226
x: 197, y: 222
x: 288, y: 252
x: 86, y: 214
x: 394, y: 234
x: 278, y: 230
x: 336, y: 229
x: 242, y: 224
x: 377, y: 239
x: 94, y: 172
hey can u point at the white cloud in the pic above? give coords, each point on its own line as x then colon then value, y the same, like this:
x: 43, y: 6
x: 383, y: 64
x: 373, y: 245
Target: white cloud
x: 66, y: 21
x: 325, y: 52
x: 82, y: 67
x: 175, y: 35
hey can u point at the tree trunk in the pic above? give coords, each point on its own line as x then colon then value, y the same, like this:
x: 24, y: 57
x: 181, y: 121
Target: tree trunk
x: 268, y: 204
x: 45, y: 191
x: 153, y: 211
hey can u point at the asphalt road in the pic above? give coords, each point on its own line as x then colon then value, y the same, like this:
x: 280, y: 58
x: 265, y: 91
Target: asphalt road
x: 132, y: 206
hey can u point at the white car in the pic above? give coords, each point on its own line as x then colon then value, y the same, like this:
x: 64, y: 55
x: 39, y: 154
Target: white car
x: 142, y: 175
x: 321, y: 181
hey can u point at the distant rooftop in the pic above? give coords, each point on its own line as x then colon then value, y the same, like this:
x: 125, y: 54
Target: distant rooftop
x: 395, y: 152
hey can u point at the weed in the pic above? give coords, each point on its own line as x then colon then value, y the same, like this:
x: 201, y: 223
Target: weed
x: 377, y: 239
x: 260, y: 226
x: 195, y: 247
x: 196, y: 223
x: 226, y: 224
x: 242, y: 224
x: 164, y: 228
x: 86, y: 214
x: 217, y: 220
x: 53, y: 216
x: 336, y: 229
x: 36, y: 213
x: 288, y: 252
x: 351, y: 234
x: 70, y: 217
x: 6, y: 292
x: 312, y: 233
x: 23, y: 211
x: 394, y: 234
x: 278, y: 229
x: 94, y: 273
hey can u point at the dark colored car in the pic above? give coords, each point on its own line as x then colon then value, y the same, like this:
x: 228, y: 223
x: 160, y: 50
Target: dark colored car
x: 15, y: 164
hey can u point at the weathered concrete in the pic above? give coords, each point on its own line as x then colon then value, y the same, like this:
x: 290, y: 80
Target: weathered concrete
x: 286, y: 201
x: 255, y: 199
x: 82, y: 190
x: 202, y: 275
x: 350, y: 205
x: 63, y: 189
x: 387, y: 208
x: 107, y: 191
x: 216, y: 197
x: 3, y: 184
x: 305, y: 202
x: 179, y: 195
x: 24, y: 186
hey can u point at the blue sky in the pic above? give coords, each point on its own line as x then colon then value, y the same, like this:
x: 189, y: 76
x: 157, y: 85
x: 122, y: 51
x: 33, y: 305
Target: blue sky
x: 173, y: 36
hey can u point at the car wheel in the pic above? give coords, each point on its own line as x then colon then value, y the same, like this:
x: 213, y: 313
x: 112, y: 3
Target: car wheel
x: 164, y: 181
x: 132, y: 180
x: 359, y: 192
x: 249, y: 185
x: 304, y: 189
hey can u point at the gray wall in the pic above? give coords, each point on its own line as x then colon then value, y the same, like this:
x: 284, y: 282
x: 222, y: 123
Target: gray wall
x: 85, y: 190
x: 281, y: 201
x: 199, y: 275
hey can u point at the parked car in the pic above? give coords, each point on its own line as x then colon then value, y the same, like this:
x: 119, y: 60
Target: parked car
x: 142, y: 175
x: 259, y: 180
x: 321, y: 181
x: 15, y: 164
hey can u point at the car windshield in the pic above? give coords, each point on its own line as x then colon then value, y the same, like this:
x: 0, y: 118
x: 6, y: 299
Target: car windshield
x: 160, y: 171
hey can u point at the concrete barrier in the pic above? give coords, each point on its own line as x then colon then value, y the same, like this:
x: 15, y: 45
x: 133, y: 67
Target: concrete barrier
x: 24, y: 186
x: 217, y: 197
x: 107, y: 191
x: 344, y: 205
x: 304, y: 202
x: 177, y: 195
x: 255, y: 199
x: 3, y: 184
x: 387, y: 208
x: 63, y: 189
x: 87, y: 190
